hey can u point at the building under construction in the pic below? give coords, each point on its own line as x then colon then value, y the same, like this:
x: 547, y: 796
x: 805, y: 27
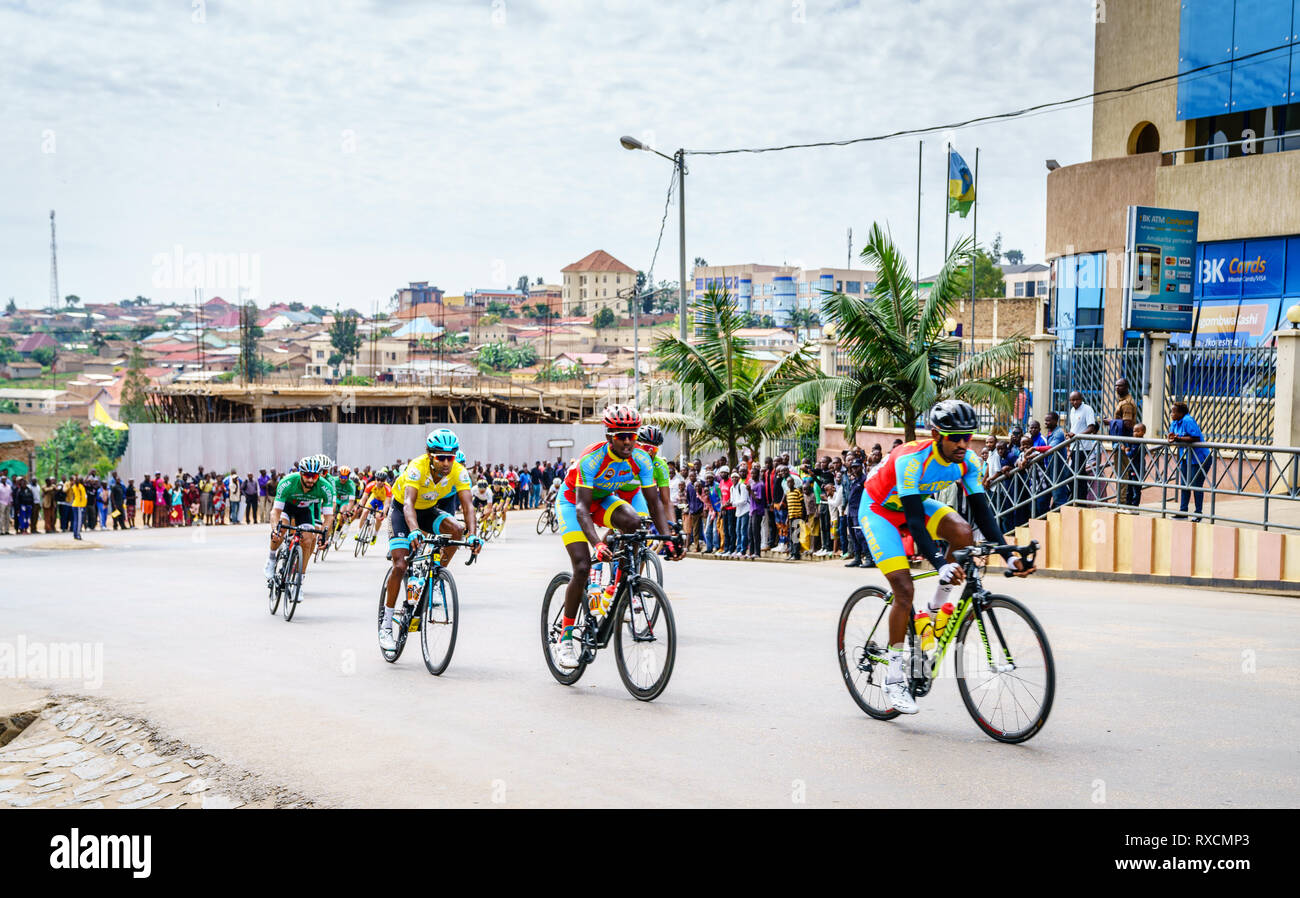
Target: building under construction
x: 486, y: 400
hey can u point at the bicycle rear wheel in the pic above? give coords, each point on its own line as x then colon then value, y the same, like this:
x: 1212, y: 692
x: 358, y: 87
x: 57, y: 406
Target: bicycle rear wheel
x: 1010, y: 664
x: 542, y: 522
x: 553, y: 628
x: 292, y: 582
x: 645, y: 646
x: 555, y: 522
x: 862, y: 642
x: 440, y: 620
x: 340, y: 534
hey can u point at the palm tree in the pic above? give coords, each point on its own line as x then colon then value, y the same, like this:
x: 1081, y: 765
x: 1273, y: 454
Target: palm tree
x: 806, y: 319
x: 900, y: 355
x: 727, y: 398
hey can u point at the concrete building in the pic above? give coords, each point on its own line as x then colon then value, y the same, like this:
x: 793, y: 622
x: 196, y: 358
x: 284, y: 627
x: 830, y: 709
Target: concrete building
x: 1220, y: 141
x: 778, y: 290
x: 414, y: 296
x: 594, y: 282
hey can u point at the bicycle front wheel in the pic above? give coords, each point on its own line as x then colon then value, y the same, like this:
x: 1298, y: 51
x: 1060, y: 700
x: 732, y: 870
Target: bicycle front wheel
x: 646, y: 643
x: 390, y: 657
x: 441, y: 618
x: 1007, y: 679
x: 555, y: 522
x: 292, y: 582
x: 273, y: 590
x: 542, y: 522
x: 340, y: 534
x: 553, y: 628
x: 651, y: 566
x: 863, y: 645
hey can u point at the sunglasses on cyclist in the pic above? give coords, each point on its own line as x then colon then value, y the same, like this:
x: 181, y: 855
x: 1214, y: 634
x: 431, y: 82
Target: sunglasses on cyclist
x: 447, y: 458
x: 957, y: 437
x: 623, y: 434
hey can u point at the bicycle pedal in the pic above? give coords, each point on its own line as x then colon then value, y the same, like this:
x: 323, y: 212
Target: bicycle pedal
x: 413, y: 626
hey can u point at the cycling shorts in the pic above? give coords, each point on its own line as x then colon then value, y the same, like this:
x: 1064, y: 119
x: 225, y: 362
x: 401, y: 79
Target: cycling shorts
x: 602, y: 513
x: 377, y: 504
x: 883, y: 528
x: 428, y: 519
x: 478, y: 503
x: 299, y: 516
x: 636, y: 498
x: 449, y: 504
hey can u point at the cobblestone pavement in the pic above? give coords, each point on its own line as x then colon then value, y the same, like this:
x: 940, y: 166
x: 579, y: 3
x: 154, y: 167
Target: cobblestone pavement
x: 77, y: 753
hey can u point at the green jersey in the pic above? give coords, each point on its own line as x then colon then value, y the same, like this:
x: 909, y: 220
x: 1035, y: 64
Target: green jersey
x: 659, y: 468
x: 345, y: 490
x: 293, y: 493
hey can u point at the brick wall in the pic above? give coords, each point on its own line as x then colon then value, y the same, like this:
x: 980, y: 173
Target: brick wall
x: 1017, y: 315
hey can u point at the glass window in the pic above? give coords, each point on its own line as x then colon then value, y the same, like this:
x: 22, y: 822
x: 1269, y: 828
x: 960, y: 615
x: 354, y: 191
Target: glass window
x: 1042, y: 288
x: 1205, y: 29
x: 1020, y: 288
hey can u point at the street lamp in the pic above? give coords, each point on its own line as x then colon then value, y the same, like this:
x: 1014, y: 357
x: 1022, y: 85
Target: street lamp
x: 1293, y: 315
x: 950, y: 325
x: 678, y: 159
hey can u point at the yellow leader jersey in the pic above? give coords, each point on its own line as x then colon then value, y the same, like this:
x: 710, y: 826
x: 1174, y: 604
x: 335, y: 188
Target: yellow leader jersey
x: 428, y: 492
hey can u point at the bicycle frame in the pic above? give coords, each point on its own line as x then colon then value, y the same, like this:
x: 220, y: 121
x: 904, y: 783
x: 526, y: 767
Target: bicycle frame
x: 624, y: 559
x: 973, y: 600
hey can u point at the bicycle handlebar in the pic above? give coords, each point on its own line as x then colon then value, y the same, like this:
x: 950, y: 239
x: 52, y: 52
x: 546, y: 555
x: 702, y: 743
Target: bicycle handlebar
x: 966, y: 555
x: 437, y: 541
x: 301, y: 528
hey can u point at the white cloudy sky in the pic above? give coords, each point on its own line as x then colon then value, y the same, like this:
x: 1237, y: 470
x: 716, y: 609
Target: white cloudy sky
x: 354, y: 146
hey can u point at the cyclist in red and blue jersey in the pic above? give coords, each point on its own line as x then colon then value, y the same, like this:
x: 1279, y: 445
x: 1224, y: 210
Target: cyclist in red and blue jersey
x: 590, y: 499
x: 899, y: 494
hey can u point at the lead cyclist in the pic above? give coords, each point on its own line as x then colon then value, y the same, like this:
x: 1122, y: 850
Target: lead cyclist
x: 900, y: 494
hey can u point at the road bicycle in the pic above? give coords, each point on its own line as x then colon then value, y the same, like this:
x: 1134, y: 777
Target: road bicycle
x: 326, y: 540
x: 639, y: 613
x: 286, y: 582
x: 435, y: 614
x: 365, y: 537
x: 1006, y: 677
x: 548, y: 519
x: 340, y: 532
x: 494, y: 522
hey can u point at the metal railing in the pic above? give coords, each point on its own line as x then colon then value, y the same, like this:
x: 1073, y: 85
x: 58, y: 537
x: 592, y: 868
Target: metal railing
x: 1230, y: 390
x: 1212, y: 149
x: 1231, y: 483
x: 1093, y: 372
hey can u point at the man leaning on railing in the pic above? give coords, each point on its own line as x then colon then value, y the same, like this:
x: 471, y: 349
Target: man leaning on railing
x: 1194, y: 462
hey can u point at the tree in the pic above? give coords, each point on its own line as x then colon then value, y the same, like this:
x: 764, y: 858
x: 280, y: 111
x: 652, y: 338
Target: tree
x: 319, y: 311
x: 602, y: 319
x: 640, y: 282
x: 900, y: 355
x: 111, y: 442
x: 501, y: 309
x: 72, y: 299
x: 8, y: 407
x: 297, y: 307
x: 499, y: 356
x: 522, y: 284
x: 727, y: 397
x: 44, y: 356
x: 995, y: 250
x: 579, y: 310
x: 71, y: 450
x: 135, y: 386
x: 1015, y: 257
x: 344, y: 338
x: 97, y: 341
x: 249, y: 364
x: 539, y: 281
x: 12, y: 307
x: 806, y: 319
x: 700, y: 263
x: 988, y: 278
x: 139, y: 332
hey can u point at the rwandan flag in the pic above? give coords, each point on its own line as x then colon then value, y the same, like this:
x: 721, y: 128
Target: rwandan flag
x: 961, y: 186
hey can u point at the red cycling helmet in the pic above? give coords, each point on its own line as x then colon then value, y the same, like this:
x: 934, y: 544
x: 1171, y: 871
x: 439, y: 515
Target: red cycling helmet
x: 622, y: 417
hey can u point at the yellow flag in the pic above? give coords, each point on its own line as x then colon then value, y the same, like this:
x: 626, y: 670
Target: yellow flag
x: 101, y: 417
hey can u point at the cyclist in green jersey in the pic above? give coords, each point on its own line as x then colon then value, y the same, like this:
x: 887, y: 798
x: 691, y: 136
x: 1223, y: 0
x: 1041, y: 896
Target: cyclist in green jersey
x: 301, y: 498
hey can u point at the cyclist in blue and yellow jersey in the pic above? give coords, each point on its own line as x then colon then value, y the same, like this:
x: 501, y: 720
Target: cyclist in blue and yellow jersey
x: 590, y: 499
x: 423, y: 483
x: 649, y: 438
x: 451, y: 504
x: 899, y: 494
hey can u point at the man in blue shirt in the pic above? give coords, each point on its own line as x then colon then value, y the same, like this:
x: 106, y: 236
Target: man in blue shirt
x: 1054, y: 437
x: 1195, y: 462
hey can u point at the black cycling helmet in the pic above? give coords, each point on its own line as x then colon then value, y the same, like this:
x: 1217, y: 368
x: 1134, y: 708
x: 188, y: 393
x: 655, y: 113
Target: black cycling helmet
x: 953, y: 416
x: 650, y: 435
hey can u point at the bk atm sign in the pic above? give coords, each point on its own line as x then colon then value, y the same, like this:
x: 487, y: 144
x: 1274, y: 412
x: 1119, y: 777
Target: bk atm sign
x: 1161, y: 250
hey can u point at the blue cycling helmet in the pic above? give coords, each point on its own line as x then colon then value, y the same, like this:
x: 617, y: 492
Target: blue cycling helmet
x: 442, y: 440
x: 460, y: 456
x: 310, y: 465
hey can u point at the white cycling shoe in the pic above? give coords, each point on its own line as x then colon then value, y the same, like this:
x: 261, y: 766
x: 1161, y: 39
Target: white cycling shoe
x: 269, y: 570
x: 567, y: 656
x: 899, y: 698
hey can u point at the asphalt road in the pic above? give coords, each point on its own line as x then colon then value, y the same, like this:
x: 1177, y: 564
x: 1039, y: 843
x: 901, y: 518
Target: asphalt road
x: 1165, y: 697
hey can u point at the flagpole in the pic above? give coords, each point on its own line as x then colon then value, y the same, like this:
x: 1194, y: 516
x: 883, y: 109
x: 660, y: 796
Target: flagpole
x: 975, y: 229
x: 918, y: 210
x: 946, y: 175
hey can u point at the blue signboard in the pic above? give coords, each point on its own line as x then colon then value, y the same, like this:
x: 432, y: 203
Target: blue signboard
x: 1236, y: 268
x: 1161, y: 252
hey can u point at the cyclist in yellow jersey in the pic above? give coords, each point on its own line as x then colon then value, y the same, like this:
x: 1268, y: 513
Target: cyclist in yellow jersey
x: 374, y: 499
x: 422, y: 484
